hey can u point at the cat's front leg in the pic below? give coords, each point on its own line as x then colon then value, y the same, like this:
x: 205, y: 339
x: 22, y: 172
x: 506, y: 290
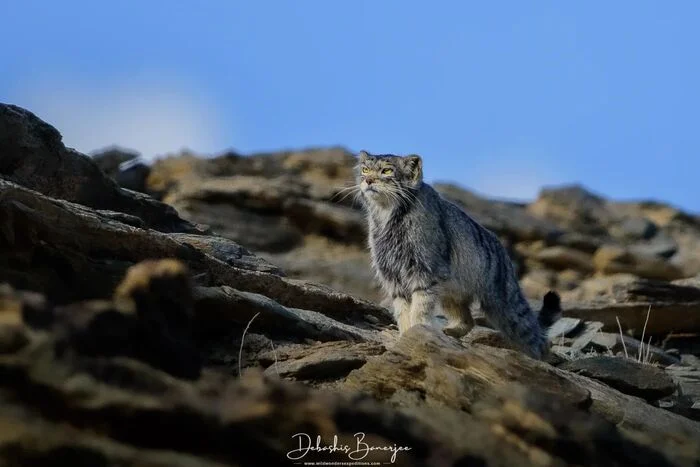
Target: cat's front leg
x: 402, y: 313
x: 424, y: 304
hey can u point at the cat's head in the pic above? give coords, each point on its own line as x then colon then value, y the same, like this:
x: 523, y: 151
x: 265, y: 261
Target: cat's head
x: 388, y: 179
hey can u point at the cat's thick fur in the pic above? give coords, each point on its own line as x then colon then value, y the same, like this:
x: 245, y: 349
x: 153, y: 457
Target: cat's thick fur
x: 430, y: 256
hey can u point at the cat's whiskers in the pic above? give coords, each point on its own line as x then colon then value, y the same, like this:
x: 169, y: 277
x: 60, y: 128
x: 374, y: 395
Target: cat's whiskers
x: 345, y: 192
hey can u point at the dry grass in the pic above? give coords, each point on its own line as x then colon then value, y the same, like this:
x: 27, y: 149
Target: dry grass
x: 240, y: 350
x: 644, y: 354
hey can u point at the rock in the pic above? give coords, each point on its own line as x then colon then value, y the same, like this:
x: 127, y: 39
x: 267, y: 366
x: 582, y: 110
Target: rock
x: 225, y: 308
x: 612, y: 260
x: 613, y: 344
x: 428, y: 369
x: 506, y: 219
x: 263, y: 233
x: 574, y: 208
x: 580, y: 242
x: 331, y: 360
x: 132, y: 175
x: 111, y: 411
x: 125, y: 340
x: 280, y: 206
x: 339, y: 265
x: 634, y: 228
x: 336, y: 222
x: 124, y: 167
x: 73, y: 265
x: 109, y: 159
x: 598, y: 288
x: 673, y: 307
x: 538, y: 282
x: 32, y: 155
x: 68, y: 399
x: 662, y: 245
x: 563, y: 327
x: 227, y: 251
x: 169, y: 172
x: 625, y: 375
x: 559, y: 257
x: 688, y: 380
x: 590, y: 330
x: 690, y: 360
x: 486, y: 336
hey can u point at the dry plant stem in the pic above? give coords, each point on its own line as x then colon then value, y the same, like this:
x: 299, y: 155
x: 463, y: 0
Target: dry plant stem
x: 240, y: 350
x: 640, y: 352
x: 622, y: 338
x: 274, y: 352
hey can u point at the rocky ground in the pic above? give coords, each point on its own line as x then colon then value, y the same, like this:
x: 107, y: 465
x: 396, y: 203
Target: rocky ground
x: 221, y: 310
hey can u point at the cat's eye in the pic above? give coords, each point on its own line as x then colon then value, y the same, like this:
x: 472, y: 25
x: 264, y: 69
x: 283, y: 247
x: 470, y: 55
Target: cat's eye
x: 365, y: 170
x: 387, y: 171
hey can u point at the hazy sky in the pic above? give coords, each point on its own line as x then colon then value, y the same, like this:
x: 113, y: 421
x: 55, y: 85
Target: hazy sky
x: 501, y: 97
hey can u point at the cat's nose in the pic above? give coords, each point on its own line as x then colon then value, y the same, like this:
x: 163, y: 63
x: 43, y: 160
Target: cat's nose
x: 369, y: 181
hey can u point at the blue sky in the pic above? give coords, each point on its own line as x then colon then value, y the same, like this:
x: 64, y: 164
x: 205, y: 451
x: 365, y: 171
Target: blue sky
x: 500, y: 97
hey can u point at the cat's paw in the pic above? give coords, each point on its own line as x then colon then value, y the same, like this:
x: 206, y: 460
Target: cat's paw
x: 457, y: 331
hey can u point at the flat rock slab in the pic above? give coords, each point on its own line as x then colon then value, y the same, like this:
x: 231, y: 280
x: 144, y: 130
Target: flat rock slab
x: 628, y: 376
x: 613, y: 342
x: 672, y: 308
x: 321, y: 362
x: 564, y: 327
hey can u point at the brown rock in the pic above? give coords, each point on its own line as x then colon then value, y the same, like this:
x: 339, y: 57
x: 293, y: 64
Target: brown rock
x: 69, y: 267
x: 506, y: 219
x: 612, y: 260
x: 425, y: 368
x: 486, y: 336
x: 574, y: 208
x: 326, y: 361
x: 673, y: 308
x: 560, y: 258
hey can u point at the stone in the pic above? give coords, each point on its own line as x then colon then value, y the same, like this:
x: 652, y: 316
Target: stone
x: 574, y: 208
x: 611, y: 259
x: 506, y: 219
x: 72, y: 264
x: 325, y: 361
x: 486, y: 336
x: 433, y: 370
x: 127, y: 339
x: 591, y: 328
x: 33, y: 155
x: 687, y: 378
x: 634, y: 228
x: 662, y: 245
x: 564, y: 326
x: 560, y: 258
x: 612, y: 343
x: 536, y: 283
x: 671, y: 308
x: 625, y: 375
x: 110, y: 158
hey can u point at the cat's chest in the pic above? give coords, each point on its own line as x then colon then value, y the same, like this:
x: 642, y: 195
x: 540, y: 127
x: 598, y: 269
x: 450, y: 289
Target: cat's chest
x: 394, y: 250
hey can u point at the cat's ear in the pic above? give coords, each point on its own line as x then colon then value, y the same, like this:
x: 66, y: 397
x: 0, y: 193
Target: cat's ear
x: 363, y: 155
x: 413, y: 165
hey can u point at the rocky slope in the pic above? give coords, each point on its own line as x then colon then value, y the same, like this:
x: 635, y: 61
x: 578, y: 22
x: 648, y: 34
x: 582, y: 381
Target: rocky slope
x: 125, y: 329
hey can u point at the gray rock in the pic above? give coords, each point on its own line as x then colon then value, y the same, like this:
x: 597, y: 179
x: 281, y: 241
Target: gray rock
x: 625, y: 375
x: 563, y: 327
x: 634, y: 228
x: 33, y: 155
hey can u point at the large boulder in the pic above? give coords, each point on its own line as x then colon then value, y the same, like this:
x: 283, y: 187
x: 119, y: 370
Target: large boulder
x: 32, y: 154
